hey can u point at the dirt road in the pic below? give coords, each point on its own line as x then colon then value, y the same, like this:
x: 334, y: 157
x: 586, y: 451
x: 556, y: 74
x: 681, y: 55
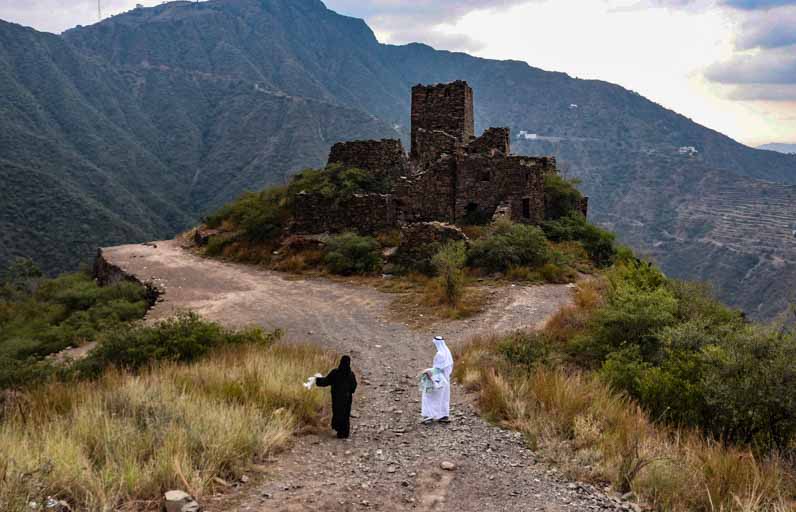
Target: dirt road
x: 392, y: 462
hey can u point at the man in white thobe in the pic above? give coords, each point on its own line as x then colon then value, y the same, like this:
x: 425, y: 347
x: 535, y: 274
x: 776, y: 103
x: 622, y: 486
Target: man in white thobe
x: 436, y: 400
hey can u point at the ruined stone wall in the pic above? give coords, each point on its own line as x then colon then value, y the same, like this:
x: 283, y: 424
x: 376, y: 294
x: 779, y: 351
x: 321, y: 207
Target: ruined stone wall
x: 431, y: 146
x: 428, y: 195
x: 364, y: 213
x: 445, y: 107
x: 492, y: 141
x: 384, y: 157
x: 515, y: 184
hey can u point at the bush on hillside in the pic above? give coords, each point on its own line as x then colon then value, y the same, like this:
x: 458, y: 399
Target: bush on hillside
x: 510, y: 245
x: 561, y: 197
x: 350, y: 253
x: 184, y: 338
x: 58, y: 313
x: 260, y: 216
x: 449, y: 263
x: 599, y: 243
x: 337, y: 183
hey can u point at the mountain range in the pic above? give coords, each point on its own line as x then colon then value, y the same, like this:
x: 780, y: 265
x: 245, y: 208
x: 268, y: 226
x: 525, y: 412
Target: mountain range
x: 780, y: 147
x: 133, y: 128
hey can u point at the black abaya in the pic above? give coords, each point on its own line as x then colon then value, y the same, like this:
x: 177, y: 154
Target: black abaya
x: 343, y: 384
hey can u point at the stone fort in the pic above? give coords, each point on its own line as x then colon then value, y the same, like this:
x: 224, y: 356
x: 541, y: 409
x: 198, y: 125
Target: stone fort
x: 449, y: 176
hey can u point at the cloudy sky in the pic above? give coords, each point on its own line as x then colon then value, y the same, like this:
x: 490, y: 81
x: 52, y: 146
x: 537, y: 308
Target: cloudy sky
x: 728, y: 64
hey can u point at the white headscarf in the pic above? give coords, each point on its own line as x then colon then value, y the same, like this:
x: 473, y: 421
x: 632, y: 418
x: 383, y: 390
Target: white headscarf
x: 443, y: 359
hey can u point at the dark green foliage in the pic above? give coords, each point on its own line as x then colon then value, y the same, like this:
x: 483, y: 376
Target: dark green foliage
x: 690, y: 360
x: 260, y: 216
x: 510, y: 245
x: 599, y: 243
x: 182, y: 339
x: 39, y: 317
x: 561, y: 197
x: 350, y: 253
x: 337, y: 183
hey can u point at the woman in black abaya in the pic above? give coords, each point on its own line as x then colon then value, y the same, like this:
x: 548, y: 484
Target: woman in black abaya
x: 343, y: 384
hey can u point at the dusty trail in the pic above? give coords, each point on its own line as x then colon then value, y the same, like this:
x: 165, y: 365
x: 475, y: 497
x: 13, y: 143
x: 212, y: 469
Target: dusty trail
x: 392, y: 462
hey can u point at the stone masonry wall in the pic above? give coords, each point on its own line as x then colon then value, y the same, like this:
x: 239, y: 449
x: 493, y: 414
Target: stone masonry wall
x: 484, y: 183
x: 364, y: 213
x: 431, y: 146
x: 428, y: 195
x: 445, y: 107
x: 384, y: 157
x: 491, y: 141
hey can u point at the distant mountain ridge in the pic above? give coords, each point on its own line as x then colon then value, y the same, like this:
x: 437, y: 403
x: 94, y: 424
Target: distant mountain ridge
x: 780, y: 147
x: 187, y: 105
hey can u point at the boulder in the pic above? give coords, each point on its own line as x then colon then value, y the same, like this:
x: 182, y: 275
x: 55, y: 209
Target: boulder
x: 179, y: 501
x: 421, y: 240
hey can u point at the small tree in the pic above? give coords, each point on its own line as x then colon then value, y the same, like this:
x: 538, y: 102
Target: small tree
x: 449, y: 263
x: 350, y: 253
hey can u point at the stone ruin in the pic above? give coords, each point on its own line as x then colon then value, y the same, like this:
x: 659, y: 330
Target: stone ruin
x: 450, y: 175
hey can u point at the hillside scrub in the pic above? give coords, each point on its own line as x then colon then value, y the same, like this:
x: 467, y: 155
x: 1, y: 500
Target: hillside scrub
x: 509, y: 245
x: 40, y: 317
x: 125, y: 437
x: 561, y: 196
x: 349, y: 253
x: 573, y: 226
x: 638, y: 347
x: 337, y: 183
x: 598, y: 434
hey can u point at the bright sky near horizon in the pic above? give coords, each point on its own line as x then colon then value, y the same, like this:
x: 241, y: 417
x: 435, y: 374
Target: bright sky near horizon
x: 727, y: 64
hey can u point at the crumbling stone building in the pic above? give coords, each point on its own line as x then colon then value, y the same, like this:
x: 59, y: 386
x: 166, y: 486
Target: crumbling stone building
x: 450, y: 175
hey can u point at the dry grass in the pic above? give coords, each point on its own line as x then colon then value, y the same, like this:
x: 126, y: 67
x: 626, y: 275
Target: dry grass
x: 127, y: 438
x: 421, y: 300
x: 598, y: 435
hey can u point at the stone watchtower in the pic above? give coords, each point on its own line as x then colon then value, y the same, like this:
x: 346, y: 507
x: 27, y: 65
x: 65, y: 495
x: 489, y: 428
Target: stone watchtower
x: 444, y: 108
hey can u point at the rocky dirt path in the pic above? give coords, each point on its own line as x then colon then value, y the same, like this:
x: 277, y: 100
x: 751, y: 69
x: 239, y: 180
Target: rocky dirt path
x: 391, y: 462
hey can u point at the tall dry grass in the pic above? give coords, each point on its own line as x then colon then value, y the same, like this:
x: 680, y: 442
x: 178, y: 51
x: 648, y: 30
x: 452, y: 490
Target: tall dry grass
x: 126, y: 438
x: 600, y: 436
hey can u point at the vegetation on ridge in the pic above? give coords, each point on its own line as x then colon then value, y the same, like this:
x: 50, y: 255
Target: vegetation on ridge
x: 40, y: 317
x: 651, y: 384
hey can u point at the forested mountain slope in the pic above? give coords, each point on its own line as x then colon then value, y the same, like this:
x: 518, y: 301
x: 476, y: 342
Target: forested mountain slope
x: 147, y: 120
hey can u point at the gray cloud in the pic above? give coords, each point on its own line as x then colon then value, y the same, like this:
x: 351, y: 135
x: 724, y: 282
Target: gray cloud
x: 416, y: 21
x: 757, y: 4
x: 771, y: 67
x: 772, y: 28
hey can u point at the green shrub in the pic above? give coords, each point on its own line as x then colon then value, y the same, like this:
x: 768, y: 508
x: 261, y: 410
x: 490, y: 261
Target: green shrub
x: 750, y: 388
x: 260, y: 216
x: 184, y: 338
x: 58, y: 313
x: 599, y: 244
x: 510, y: 245
x: 337, y: 183
x: 561, y: 197
x: 449, y: 263
x: 525, y: 349
x: 350, y: 253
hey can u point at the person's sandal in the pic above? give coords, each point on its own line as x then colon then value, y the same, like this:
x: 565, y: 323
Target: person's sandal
x: 444, y: 420
x: 427, y: 421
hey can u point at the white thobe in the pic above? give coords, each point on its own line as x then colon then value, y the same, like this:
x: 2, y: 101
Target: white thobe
x: 436, y: 404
